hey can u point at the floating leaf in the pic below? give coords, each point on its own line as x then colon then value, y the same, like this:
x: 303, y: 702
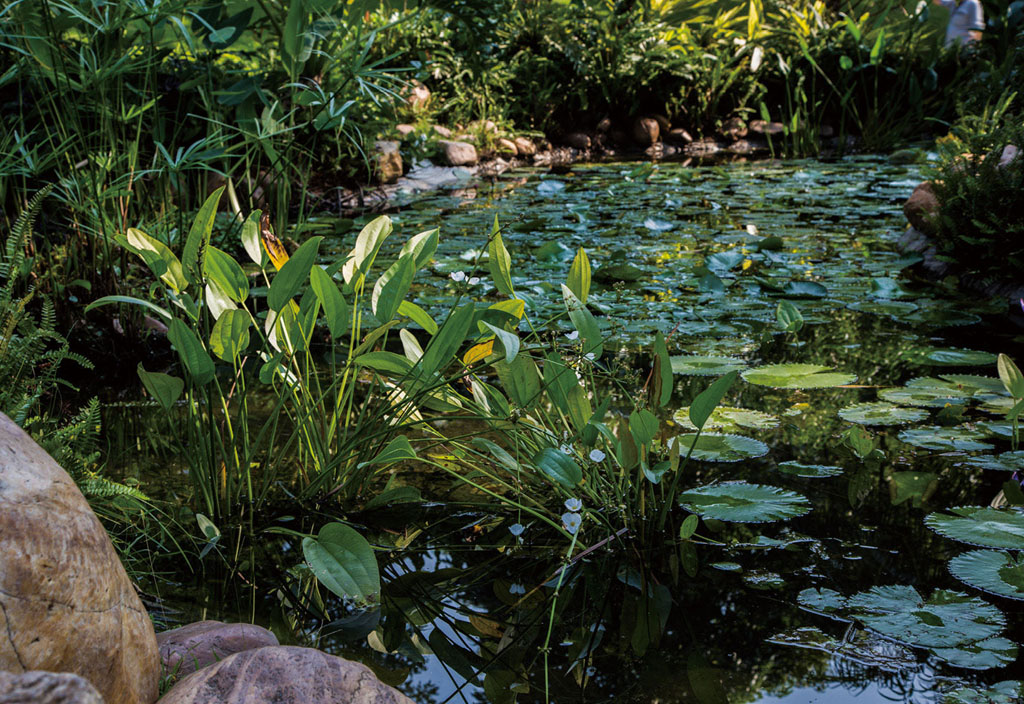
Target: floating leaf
x: 982, y: 526
x: 946, y: 439
x: 927, y: 392
x: 728, y: 418
x: 809, y: 470
x: 744, y: 503
x: 984, y: 655
x: 1003, y: 462
x: 822, y: 601
x: 797, y: 376
x: 712, y: 447
x: 973, y: 383
x: 955, y: 357
x: 994, y: 571
x: 696, y: 365
x: 895, y: 309
x: 881, y: 414
x: 1006, y: 692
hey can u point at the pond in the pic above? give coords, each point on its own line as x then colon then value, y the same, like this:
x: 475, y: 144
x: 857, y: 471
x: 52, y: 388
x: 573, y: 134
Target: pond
x: 888, y: 414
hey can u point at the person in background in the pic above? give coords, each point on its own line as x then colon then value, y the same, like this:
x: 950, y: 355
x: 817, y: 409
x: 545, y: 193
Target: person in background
x: 966, y: 21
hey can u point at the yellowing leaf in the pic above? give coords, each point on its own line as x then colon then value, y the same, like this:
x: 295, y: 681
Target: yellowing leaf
x: 275, y: 249
x: 478, y: 352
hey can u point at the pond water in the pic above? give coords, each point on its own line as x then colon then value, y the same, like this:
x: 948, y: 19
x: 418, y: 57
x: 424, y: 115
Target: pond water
x: 739, y: 266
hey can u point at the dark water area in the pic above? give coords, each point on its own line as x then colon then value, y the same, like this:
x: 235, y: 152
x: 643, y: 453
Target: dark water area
x: 756, y: 611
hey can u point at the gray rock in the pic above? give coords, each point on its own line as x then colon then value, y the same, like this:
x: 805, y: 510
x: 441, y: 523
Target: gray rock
x: 283, y: 675
x: 66, y: 603
x: 37, y: 687
x: 443, y: 131
x: 458, y: 153
x: 189, y: 648
x: 646, y: 131
x: 387, y: 161
x: 734, y: 128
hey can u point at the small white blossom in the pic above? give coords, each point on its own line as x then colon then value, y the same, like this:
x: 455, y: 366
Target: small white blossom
x: 516, y: 529
x: 573, y: 504
x: 572, y: 522
x: 597, y: 456
x: 458, y: 276
x: 572, y: 335
x: 516, y: 589
x: 474, y: 281
x: 589, y: 356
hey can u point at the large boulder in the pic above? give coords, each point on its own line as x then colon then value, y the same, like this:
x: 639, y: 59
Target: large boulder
x: 66, y: 603
x: 283, y: 675
x: 37, y: 687
x: 189, y: 648
x: 646, y: 131
x: 922, y: 208
x: 458, y: 153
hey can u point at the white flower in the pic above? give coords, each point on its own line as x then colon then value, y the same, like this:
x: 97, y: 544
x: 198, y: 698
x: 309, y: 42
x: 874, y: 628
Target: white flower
x: 458, y: 276
x: 474, y: 281
x: 597, y: 456
x: 516, y: 589
x: 572, y: 522
x: 589, y: 356
x: 567, y: 449
x: 573, y: 504
x: 517, y: 529
x: 573, y: 335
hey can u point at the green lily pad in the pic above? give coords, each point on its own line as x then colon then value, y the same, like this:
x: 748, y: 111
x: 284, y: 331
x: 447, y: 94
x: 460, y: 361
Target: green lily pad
x: 879, y: 413
x: 935, y: 437
x: 984, y: 655
x: 809, y: 470
x: 1005, y: 692
x: 822, y: 601
x: 956, y: 357
x: 1003, y: 462
x: 741, y: 502
x: 715, y: 447
x: 995, y: 404
x: 999, y: 429
x: 982, y: 526
x: 974, y: 383
x: 797, y: 376
x: 728, y: 418
x: 942, y: 317
x: 696, y: 365
x: 995, y: 571
x: 896, y: 309
x: 927, y: 392
x: 948, y: 619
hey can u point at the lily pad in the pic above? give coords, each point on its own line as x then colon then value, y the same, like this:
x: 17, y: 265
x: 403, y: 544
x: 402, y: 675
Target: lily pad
x: 935, y: 437
x: 948, y: 619
x: 797, y: 376
x: 984, y: 655
x: 728, y: 418
x: 974, y: 383
x: 879, y: 413
x: 927, y: 392
x: 1003, y: 462
x: 982, y: 526
x: 696, y: 365
x: 956, y: 357
x: 1005, y: 692
x: 999, y: 429
x: 895, y: 309
x: 995, y: 571
x: 741, y: 502
x: 822, y: 601
x: 809, y: 470
x: 714, y: 447
x: 942, y: 317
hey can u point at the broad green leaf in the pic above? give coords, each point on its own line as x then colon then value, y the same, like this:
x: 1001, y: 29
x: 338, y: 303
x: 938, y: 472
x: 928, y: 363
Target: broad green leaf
x: 982, y: 526
x: 336, y: 310
x: 559, y: 380
x: 193, y: 356
x: 797, y: 376
x: 251, y: 239
x: 1011, y: 376
x: 217, y: 300
x: 420, y: 248
x: 367, y: 245
x: 520, y: 379
x: 386, y: 362
x: 158, y: 257
x: 689, y: 526
x: 224, y: 271
x: 398, y: 450
x: 728, y: 418
x: 644, y: 426
x: 695, y: 365
x: 199, y: 236
x: 993, y: 571
x: 579, y: 276
x: 559, y: 467
x: 393, y: 291
x: 509, y: 341
x: 447, y: 340
x: 881, y: 414
x: 661, y: 374
x: 418, y: 316
x: 230, y: 335
x: 954, y: 357
x: 293, y: 274
x: 741, y: 502
x: 945, y: 439
x: 164, y: 388
x: 927, y: 392
x: 499, y: 262
x: 344, y: 562
x: 789, y: 317
x: 584, y: 322
x: 713, y: 447
x: 709, y: 398
x: 107, y: 300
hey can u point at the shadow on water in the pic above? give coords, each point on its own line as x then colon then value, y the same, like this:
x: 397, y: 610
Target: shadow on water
x: 704, y: 255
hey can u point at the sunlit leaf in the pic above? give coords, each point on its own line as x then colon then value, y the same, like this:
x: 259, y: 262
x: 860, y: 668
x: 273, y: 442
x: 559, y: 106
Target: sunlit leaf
x: 741, y: 502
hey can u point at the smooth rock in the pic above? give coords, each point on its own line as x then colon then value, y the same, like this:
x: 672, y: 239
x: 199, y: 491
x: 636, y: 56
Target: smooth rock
x: 189, y: 648
x: 577, y: 140
x: 678, y: 134
x: 734, y: 128
x: 404, y: 130
x: 1010, y: 152
x: 646, y: 131
x: 283, y: 675
x: 922, y: 208
x: 762, y: 127
x: 525, y: 147
x: 663, y: 124
x: 604, y: 124
x: 506, y: 147
x: 458, y: 153
x: 66, y: 603
x: 443, y: 131
x: 418, y: 96
x: 387, y: 161
x: 37, y: 687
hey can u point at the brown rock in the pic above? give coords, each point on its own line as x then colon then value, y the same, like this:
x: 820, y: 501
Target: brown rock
x: 66, y: 604
x: 663, y: 124
x: 418, y: 96
x: 646, y: 131
x: 678, y: 134
x: 577, y: 140
x: 604, y: 124
x: 762, y: 127
x: 458, y: 153
x: 922, y: 208
x: 443, y: 131
x: 37, y: 687
x: 387, y: 161
x: 525, y: 147
x: 189, y: 648
x: 404, y: 130
x: 734, y: 128
x: 506, y: 147
x: 283, y: 675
